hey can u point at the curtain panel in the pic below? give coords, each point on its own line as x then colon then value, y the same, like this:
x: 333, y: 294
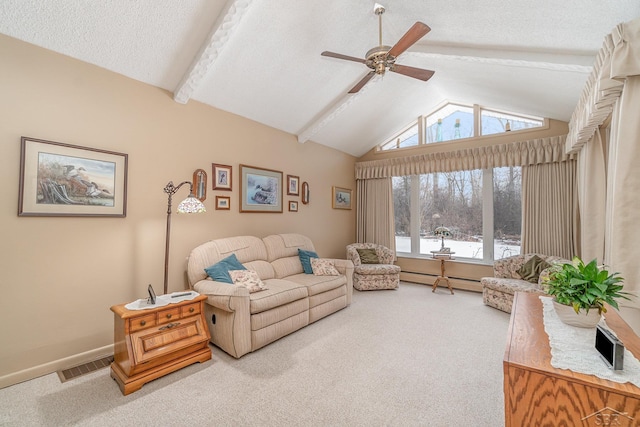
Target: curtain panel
x: 549, y: 209
x: 523, y: 153
x: 375, y: 221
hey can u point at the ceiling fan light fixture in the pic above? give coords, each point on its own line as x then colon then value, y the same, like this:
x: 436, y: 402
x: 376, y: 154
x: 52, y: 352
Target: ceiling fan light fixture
x: 382, y: 58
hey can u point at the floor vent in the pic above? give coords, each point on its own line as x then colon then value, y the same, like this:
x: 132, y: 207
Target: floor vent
x: 80, y: 370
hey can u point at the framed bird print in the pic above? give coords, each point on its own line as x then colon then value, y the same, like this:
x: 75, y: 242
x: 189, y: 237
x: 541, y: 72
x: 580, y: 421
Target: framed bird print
x: 58, y: 179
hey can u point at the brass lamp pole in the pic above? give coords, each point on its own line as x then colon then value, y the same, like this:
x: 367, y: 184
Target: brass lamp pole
x: 189, y: 205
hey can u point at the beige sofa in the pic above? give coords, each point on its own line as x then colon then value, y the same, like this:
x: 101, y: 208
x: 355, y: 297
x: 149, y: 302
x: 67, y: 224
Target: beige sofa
x: 241, y: 322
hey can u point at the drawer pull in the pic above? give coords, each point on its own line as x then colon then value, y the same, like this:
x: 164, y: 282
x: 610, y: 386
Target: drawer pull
x: 169, y: 326
x: 191, y: 310
x: 169, y: 316
x: 143, y: 322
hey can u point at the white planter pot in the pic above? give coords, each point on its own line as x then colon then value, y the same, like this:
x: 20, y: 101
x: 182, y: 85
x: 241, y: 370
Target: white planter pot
x: 567, y: 314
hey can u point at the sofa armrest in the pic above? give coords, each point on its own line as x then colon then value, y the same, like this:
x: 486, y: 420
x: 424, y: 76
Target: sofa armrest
x: 345, y: 266
x: 221, y: 295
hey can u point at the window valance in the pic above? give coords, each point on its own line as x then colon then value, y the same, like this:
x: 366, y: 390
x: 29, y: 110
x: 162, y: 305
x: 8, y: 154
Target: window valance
x: 618, y: 59
x: 523, y: 153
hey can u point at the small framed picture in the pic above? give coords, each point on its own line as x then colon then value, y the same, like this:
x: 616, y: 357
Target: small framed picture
x: 221, y: 177
x: 293, y: 206
x: 223, y: 203
x: 340, y: 198
x: 293, y: 185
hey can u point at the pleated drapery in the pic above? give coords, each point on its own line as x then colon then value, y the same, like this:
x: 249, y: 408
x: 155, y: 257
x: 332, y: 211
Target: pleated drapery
x: 375, y: 221
x: 549, y: 199
x: 622, y: 233
x: 592, y: 193
x: 618, y: 58
x: 612, y: 90
x: 523, y: 153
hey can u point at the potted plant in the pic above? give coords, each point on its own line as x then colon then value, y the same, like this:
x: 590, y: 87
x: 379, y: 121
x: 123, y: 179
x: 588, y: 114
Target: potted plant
x: 581, y: 290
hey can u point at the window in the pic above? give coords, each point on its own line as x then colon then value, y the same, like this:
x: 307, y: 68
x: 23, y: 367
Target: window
x: 450, y: 122
x: 408, y: 138
x: 493, y: 122
x: 454, y: 121
x: 457, y: 201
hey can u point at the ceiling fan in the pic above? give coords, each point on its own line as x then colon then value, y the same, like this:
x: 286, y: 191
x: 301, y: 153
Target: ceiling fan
x: 382, y: 58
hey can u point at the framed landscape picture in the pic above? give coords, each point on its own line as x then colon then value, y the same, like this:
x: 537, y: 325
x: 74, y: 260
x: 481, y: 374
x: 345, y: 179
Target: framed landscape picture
x: 260, y: 189
x: 340, y: 198
x: 58, y: 179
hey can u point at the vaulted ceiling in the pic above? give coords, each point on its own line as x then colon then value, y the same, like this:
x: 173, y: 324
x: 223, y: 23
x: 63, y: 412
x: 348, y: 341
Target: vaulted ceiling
x: 261, y: 58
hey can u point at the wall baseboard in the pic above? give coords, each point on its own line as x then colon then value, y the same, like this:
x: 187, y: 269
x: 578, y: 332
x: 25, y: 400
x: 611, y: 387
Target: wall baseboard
x: 428, y: 279
x: 53, y: 366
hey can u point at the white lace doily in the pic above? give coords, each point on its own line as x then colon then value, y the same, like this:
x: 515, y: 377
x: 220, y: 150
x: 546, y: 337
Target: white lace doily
x: 161, y: 300
x: 574, y: 348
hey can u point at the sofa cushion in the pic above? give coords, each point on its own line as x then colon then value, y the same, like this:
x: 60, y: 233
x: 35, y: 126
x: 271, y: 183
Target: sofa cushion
x: 305, y: 260
x: 323, y: 267
x: 318, y: 284
x: 220, y: 270
x: 245, y: 248
x: 368, y: 256
x: 530, y: 270
x: 367, y: 269
x: 247, y: 278
x: 509, y: 286
x: 279, y: 292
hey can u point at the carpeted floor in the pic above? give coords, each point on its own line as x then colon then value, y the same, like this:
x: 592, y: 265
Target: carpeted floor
x: 407, y: 357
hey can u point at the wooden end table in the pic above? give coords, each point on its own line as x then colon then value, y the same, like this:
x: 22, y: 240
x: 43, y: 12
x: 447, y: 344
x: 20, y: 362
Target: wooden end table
x: 442, y: 256
x: 154, y: 342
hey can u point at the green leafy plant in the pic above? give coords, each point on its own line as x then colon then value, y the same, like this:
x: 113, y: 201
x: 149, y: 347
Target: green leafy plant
x: 584, y: 286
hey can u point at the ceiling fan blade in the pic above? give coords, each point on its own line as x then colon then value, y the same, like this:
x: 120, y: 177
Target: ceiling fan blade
x: 341, y: 56
x: 415, y: 33
x: 362, y: 82
x: 416, y: 73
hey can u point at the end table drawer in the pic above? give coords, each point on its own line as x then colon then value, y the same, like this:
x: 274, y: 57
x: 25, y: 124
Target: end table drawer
x: 191, y: 309
x: 169, y: 315
x: 142, y: 322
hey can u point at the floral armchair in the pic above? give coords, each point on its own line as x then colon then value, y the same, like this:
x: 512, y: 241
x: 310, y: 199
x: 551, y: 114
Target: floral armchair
x: 371, y: 276
x: 497, y: 291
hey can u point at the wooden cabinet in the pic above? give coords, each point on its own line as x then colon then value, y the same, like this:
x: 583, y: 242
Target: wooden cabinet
x: 154, y: 342
x: 537, y: 394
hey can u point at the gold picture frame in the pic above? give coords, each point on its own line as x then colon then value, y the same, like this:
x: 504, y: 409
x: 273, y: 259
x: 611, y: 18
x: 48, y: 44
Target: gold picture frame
x: 260, y: 189
x: 341, y: 198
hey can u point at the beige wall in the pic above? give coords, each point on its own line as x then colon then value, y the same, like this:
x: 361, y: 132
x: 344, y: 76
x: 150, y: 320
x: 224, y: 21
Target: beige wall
x: 59, y: 276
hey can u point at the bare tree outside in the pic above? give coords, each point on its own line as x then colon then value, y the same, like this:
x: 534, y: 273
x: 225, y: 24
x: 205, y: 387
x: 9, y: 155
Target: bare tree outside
x: 455, y: 200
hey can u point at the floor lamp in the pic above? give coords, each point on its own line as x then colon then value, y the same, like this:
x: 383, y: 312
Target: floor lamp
x: 189, y: 205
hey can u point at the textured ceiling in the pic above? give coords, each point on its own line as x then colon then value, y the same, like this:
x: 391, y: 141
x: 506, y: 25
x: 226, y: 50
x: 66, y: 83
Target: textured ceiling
x: 261, y: 58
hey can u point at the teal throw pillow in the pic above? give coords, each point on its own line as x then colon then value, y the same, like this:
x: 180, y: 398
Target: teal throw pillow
x: 530, y: 270
x: 305, y: 259
x: 368, y: 256
x: 220, y: 270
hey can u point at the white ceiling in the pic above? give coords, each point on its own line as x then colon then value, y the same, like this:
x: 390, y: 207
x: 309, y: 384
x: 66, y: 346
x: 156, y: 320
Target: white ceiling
x: 261, y: 58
